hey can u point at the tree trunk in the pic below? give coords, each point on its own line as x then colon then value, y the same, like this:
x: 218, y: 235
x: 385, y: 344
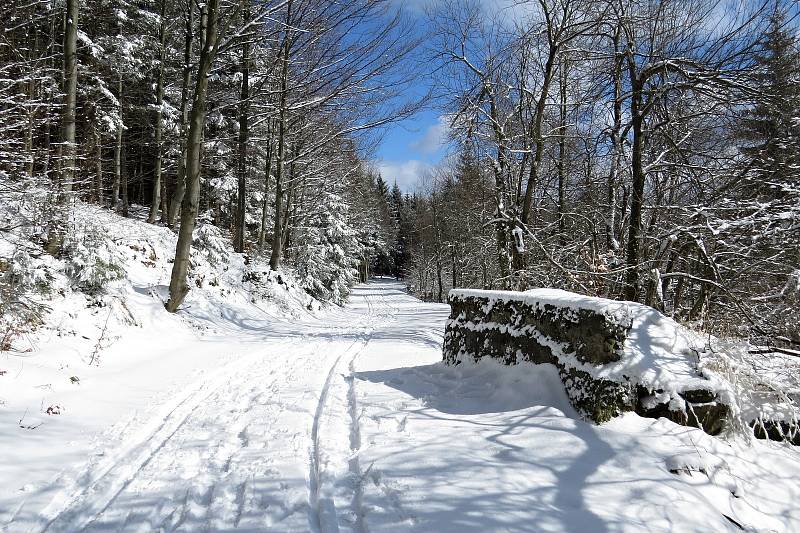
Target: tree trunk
x: 241, y: 204
x: 180, y: 180
x: 67, y: 148
x: 439, y: 269
x: 277, y: 238
x: 455, y: 272
x: 265, y: 202
x: 157, y: 186
x: 289, y: 207
x: 47, y: 138
x: 616, y: 150
x: 164, y: 199
x: 124, y: 184
x: 117, y: 152
x: 30, y: 151
x: 178, y: 287
x: 438, y: 235
x: 562, y: 154
x: 637, y: 195
x: 501, y: 194
x: 536, y: 135
x: 98, y: 146
x: 70, y: 96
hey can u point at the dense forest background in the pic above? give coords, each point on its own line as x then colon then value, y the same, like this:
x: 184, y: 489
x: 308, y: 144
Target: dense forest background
x: 638, y: 149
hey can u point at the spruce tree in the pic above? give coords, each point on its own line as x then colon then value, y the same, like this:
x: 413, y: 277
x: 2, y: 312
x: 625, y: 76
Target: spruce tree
x: 771, y: 128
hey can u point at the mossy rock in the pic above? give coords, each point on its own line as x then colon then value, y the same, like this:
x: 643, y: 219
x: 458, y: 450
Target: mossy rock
x: 599, y: 400
x: 710, y: 415
x: 593, y: 337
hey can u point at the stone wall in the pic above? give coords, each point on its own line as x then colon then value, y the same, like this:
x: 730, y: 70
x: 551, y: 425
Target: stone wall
x: 580, y: 340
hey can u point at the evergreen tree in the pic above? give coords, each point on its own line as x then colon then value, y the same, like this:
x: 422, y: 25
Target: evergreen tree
x: 327, y: 261
x: 383, y: 262
x: 771, y: 128
x: 382, y: 188
x: 397, y: 207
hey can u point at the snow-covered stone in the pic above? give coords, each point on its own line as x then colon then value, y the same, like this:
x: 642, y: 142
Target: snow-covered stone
x: 612, y: 356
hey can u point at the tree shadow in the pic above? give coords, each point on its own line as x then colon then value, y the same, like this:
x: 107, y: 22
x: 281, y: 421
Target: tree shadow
x: 487, y: 406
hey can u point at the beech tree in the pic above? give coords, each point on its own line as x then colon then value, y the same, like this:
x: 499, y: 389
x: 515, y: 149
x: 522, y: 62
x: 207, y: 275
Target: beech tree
x: 210, y: 28
x: 67, y: 161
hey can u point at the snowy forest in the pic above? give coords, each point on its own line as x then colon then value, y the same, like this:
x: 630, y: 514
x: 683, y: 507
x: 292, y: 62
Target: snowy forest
x: 246, y: 115
x: 221, y: 309
x: 627, y: 149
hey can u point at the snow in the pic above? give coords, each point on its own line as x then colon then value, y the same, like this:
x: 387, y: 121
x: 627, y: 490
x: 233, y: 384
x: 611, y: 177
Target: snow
x: 766, y: 385
x: 664, y: 355
x: 248, y: 412
x: 555, y: 297
x: 485, y: 447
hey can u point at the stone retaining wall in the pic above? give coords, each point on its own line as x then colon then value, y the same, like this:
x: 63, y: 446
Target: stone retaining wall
x: 520, y: 328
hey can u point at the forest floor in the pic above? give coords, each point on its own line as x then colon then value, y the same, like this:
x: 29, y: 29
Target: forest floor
x: 345, y: 420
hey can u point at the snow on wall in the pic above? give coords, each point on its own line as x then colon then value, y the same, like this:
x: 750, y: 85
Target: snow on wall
x: 612, y: 356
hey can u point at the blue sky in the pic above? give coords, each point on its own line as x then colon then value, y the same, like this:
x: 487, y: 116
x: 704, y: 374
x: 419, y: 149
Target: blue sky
x: 411, y: 147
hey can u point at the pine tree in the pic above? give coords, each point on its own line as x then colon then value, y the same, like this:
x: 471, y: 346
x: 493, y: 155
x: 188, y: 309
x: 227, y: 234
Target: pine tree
x: 399, y: 252
x: 327, y: 261
x: 383, y: 262
x: 771, y: 128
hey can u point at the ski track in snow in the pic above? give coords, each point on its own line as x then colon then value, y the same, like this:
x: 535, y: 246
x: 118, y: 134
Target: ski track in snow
x: 335, y: 435
x: 112, y: 477
x: 350, y: 425
x: 191, y: 466
x: 319, y: 497
x: 164, y: 450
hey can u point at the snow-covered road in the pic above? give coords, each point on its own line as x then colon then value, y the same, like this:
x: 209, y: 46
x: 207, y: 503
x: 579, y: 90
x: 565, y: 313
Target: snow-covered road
x: 349, y: 423
x: 263, y: 443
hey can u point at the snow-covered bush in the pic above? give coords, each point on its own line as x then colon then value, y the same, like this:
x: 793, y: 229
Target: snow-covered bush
x: 92, y: 261
x: 23, y: 280
x: 766, y: 386
x: 28, y: 273
x: 210, y: 254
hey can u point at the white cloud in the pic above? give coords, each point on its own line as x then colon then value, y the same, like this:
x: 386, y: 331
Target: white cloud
x: 435, y: 137
x: 407, y: 174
